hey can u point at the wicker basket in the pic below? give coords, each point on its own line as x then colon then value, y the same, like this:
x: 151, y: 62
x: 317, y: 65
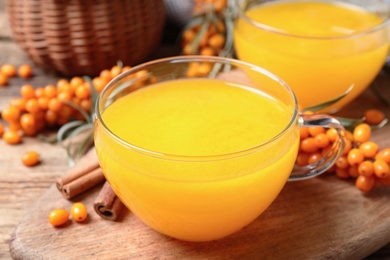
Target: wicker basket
x: 83, y: 37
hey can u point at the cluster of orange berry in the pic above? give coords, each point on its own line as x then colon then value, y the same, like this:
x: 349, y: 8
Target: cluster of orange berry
x: 59, y: 217
x: 361, y: 159
x: 50, y: 106
x: 208, y: 37
x: 9, y: 71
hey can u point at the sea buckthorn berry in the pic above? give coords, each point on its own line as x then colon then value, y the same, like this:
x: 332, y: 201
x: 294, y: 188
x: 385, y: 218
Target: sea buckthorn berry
x: 25, y: 71
x: 308, y: 145
x: 39, y: 92
x: 347, y: 147
x: 32, y: 105
x: 105, y: 74
x: 82, y: 92
x: 66, y: 111
x: 55, y: 104
x: 373, y: 116
x: 304, y: 133
x: 366, y: 168
x: 27, y: 91
x: 79, y: 212
x: 369, y: 149
x: 43, y: 103
x: 85, y: 104
x: 302, y: 159
x: 384, y: 155
x: 207, y: 51
x: 19, y: 103
x: 204, y: 68
x: 216, y: 41
x: 188, y: 35
x: 58, y: 217
x: 342, y: 162
x: 362, y: 133
x: 10, y: 114
x: 381, y: 169
x: 64, y: 96
x: 62, y: 85
x: 353, y: 171
x: 115, y: 71
x: 326, y: 151
x: 321, y: 140
x: 30, y: 158
x: 51, y: 91
x: 342, y: 173
x: 9, y: 70
x: 126, y: 68
x: 365, y: 183
x: 12, y: 137
x: 355, y: 156
x: 314, y: 157
x: 75, y: 82
x: 99, y: 83
x: 314, y: 131
x: 51, y: 117
x: 349, y: 135
x: 27, y: 121
x: 332, y: 134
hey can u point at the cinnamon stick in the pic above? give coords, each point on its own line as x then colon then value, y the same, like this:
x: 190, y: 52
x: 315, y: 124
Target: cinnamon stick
x: 107, y: 205
x: 83, y: 176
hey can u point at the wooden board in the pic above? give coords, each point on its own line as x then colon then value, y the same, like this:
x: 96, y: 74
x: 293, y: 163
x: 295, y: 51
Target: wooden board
x: 324, y: 217
x: 318, y: 218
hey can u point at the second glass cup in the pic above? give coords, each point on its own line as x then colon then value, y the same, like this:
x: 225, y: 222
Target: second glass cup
x: 196, y: 148
x: 322, y: 49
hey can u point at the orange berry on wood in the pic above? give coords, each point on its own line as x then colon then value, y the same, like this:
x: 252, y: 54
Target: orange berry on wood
x: 25, y: 71
x: 10, y: 114
x: 58, y: 217
x: 362, y: 133
x: 369, y: 149
x: 383, y: 155
x: 8, y: 70
x: 12, y: 137
x: 355, y: 156
x: 381, y: 169
x: 365, y: 183
x: 374, y: 116
x: 30, y: 158
x: 366, y: 168
x: 79, y: 212
x: 27, y: 91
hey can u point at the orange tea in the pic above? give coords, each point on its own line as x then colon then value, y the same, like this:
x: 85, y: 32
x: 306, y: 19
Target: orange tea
x: 200, y: 158
x: 319, y: 48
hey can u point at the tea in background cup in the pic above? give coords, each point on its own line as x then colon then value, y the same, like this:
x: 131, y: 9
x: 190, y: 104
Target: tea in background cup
x: 196, y: 149
x: 320, y: 48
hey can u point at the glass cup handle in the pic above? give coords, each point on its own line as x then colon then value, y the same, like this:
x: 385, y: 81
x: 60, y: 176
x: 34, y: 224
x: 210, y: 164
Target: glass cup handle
x: 312, y: 170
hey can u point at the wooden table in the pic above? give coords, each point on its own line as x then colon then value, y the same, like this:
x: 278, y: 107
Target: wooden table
x: 20, y: 187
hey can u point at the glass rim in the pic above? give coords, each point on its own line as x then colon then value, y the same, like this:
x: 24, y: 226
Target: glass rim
x: 188, y: 59
x: 241, y: 14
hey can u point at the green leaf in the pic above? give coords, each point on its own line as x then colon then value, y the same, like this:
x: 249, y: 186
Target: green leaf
x: 67, y: 128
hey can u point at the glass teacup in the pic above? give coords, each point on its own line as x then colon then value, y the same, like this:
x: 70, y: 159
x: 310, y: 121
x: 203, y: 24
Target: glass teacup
x: 322, y: 49
x: 196, y: 149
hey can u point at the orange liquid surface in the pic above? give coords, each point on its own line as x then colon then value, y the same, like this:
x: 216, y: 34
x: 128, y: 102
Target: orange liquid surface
x: 192, y: 199
x: 307, y: 54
